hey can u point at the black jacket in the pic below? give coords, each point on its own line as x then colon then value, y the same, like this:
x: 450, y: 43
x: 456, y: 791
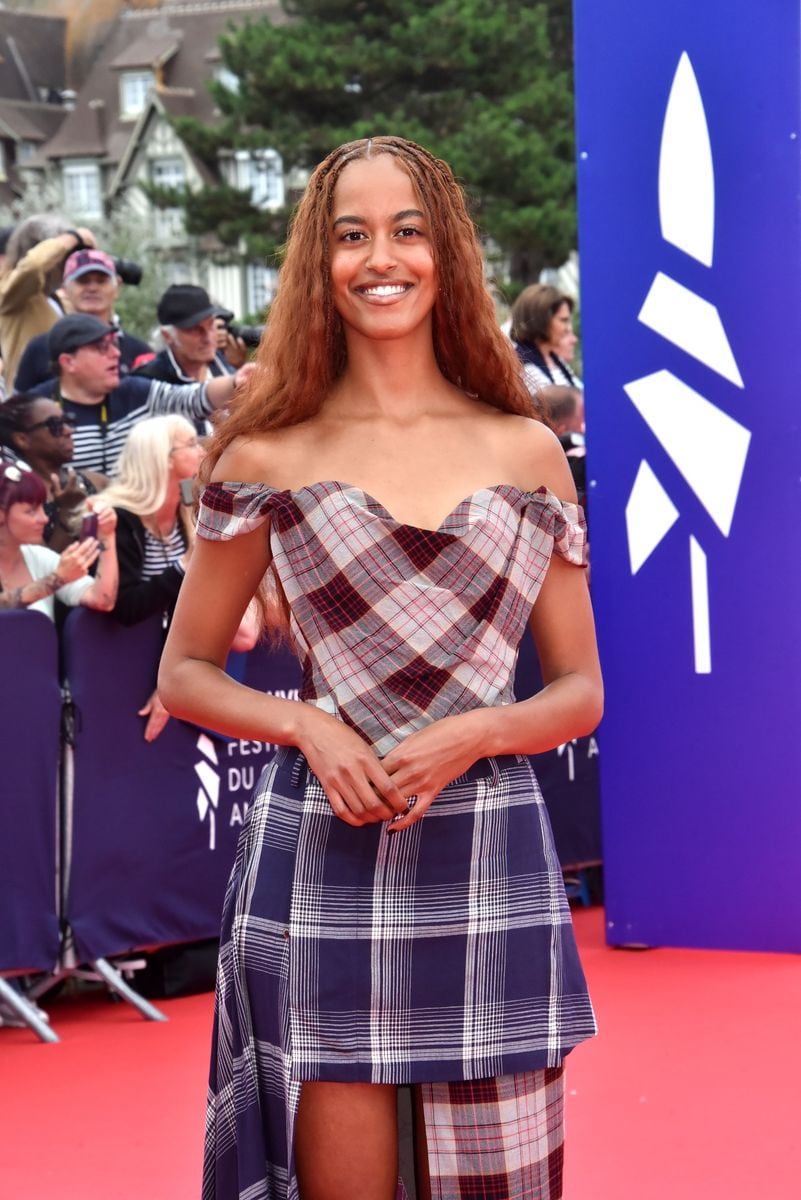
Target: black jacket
x: 138, y: 598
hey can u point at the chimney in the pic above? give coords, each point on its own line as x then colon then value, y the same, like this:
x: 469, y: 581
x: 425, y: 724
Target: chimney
x: 98, y: 107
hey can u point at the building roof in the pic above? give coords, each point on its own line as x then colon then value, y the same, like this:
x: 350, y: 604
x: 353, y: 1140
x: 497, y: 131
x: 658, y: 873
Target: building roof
x: 32, y: 56
x: 176, y: 41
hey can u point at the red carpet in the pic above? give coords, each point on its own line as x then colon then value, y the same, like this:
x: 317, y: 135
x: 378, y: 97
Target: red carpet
x: 692, y: 1090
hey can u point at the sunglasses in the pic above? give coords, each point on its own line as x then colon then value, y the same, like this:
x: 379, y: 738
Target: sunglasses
x: 105, y: 344
x: 54, y: 425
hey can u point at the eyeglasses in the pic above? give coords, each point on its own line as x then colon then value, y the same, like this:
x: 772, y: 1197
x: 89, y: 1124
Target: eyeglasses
x: 54, y: 425
x: 192, y: 444
x: 105, y: 344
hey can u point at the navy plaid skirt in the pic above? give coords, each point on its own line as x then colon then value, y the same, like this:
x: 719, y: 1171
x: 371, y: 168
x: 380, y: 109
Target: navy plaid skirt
x: 437, y: 954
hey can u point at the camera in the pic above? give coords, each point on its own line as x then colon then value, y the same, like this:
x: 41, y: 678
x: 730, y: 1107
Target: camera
x: 128, y: 271
x: 250, y: 334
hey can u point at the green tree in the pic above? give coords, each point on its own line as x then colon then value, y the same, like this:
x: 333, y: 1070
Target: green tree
x: 485, y: 84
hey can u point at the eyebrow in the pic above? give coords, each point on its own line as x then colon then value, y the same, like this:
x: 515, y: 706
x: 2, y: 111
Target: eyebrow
x: 401, y: 216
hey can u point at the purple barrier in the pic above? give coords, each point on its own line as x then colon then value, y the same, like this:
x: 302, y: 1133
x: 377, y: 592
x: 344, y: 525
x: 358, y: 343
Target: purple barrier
x: 154, y: 824
x: 30, y: 718
x: 568, y: 777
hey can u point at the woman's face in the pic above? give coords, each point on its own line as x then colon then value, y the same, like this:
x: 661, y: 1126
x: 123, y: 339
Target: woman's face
x: 561, y: 326
x: 24, y: 523
x: 47, y: 436
x: 382, y: 260
x: 186, y: 454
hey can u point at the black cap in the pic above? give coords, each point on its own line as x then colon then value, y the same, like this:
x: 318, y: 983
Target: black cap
x: 184, y: 305
x: 79, y: 329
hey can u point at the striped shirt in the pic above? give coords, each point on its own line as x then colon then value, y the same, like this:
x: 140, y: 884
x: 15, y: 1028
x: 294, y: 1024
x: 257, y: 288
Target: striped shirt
x: 159, y: 555
x: 101, y: 430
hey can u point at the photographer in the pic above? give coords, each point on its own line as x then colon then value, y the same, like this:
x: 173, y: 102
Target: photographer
x: 28, y: 302
x: 187, y: 319
x: 91, y: 285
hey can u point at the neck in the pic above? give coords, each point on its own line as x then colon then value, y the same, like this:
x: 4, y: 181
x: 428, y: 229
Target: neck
x: 10, y: 554
x: 165, y: 517
x: 80, y: 393
x: 396, y: 377
x: 195, y: 370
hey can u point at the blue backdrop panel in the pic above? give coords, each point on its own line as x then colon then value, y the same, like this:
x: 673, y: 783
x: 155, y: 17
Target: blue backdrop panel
x: 688, y: 153
x: 155, y: 824
x: 30, y: 720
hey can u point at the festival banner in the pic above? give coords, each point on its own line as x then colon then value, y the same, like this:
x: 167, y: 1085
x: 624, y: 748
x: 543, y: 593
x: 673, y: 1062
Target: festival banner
x: 154, y: 824
x: 688, y: 165
x: 30, y: 720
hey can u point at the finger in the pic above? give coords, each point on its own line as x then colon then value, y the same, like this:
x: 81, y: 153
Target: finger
x: 144, y: 712
x: 419, y: 807
x: 388, y: 788
x: 340, y: 808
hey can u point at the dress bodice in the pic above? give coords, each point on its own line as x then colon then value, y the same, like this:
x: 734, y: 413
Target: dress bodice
x: 397, y: 626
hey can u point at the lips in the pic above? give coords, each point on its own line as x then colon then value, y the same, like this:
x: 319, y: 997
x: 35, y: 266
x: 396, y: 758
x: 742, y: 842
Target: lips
x: 383, y: 291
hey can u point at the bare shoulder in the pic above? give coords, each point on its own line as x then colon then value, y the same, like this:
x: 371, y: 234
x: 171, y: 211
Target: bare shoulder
x: 259, y: 457
x: 533, y: 455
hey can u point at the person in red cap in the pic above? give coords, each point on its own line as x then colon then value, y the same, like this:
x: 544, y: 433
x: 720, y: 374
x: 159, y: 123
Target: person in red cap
x: 29, y: 304
x: 90, y: 285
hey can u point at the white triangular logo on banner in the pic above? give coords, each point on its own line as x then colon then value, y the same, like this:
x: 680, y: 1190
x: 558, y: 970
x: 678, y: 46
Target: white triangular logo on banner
x: 650, y: 513
x: 686, y: 174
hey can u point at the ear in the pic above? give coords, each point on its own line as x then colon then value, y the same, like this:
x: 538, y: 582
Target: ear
x: 64, y: 363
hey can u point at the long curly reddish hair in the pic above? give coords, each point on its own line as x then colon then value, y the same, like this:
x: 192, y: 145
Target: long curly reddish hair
x: 303, y: 350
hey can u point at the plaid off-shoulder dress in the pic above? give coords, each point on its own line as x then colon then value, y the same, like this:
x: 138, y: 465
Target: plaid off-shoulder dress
x: 442, y: 955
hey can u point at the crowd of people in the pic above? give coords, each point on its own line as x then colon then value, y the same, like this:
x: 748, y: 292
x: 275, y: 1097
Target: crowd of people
x: 99, y: 430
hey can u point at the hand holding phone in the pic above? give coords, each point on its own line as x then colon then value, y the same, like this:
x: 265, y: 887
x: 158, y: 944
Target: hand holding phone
x: 88, y: 527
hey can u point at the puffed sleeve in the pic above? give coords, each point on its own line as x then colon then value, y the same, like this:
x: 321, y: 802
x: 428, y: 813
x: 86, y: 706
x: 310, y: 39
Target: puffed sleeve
x: 562, y: 521
x: 229, y: 509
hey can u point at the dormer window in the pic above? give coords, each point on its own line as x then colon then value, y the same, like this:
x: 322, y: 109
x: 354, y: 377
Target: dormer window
x: 227, y: 78
x: 135, y: 87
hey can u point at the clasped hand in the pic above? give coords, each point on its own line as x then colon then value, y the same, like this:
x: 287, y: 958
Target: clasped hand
x: 363, y: 789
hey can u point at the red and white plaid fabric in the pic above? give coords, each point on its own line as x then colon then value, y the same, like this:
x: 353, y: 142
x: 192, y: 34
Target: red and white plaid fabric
x: 446, y: 951
x: 397, y: 626
x: 496, y: 1139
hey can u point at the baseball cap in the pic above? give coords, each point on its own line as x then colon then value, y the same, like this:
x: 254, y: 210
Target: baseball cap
x: 83, y: 261
x: 184, y: 305
x: 78, y: 329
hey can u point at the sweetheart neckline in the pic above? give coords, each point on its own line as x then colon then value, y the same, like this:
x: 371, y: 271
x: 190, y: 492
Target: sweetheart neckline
x: 373, y: 502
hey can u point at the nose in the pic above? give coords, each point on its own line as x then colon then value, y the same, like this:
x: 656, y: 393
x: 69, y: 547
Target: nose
x: 382, y: 257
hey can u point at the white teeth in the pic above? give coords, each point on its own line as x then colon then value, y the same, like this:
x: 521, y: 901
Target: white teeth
x: 385, y: 289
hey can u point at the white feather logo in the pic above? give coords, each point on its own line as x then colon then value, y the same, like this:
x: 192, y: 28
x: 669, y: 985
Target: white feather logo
x: 707, y: 446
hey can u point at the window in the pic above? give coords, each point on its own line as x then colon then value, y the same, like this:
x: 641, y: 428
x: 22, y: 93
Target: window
x: 168, y: 172
x: 135, y: 86
x: 260, y: 172
x: 262, y: 283
x: 227, y: 78
x: 25, y: 150
x: 82, y: 189
x: 168, y: 224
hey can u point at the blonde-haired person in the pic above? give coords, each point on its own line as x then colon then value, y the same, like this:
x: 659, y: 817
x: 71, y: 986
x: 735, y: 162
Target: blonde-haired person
x: 396, y: 914
x: 155, y: 530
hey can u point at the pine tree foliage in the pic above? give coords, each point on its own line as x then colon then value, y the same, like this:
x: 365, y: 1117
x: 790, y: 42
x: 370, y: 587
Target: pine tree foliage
x: 485, y: 84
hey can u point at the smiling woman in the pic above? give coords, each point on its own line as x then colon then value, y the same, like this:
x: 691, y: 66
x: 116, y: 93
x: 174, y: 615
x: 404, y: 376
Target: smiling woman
x: 35, y: 429
x: 396, y: 913
x: 30, y: 574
